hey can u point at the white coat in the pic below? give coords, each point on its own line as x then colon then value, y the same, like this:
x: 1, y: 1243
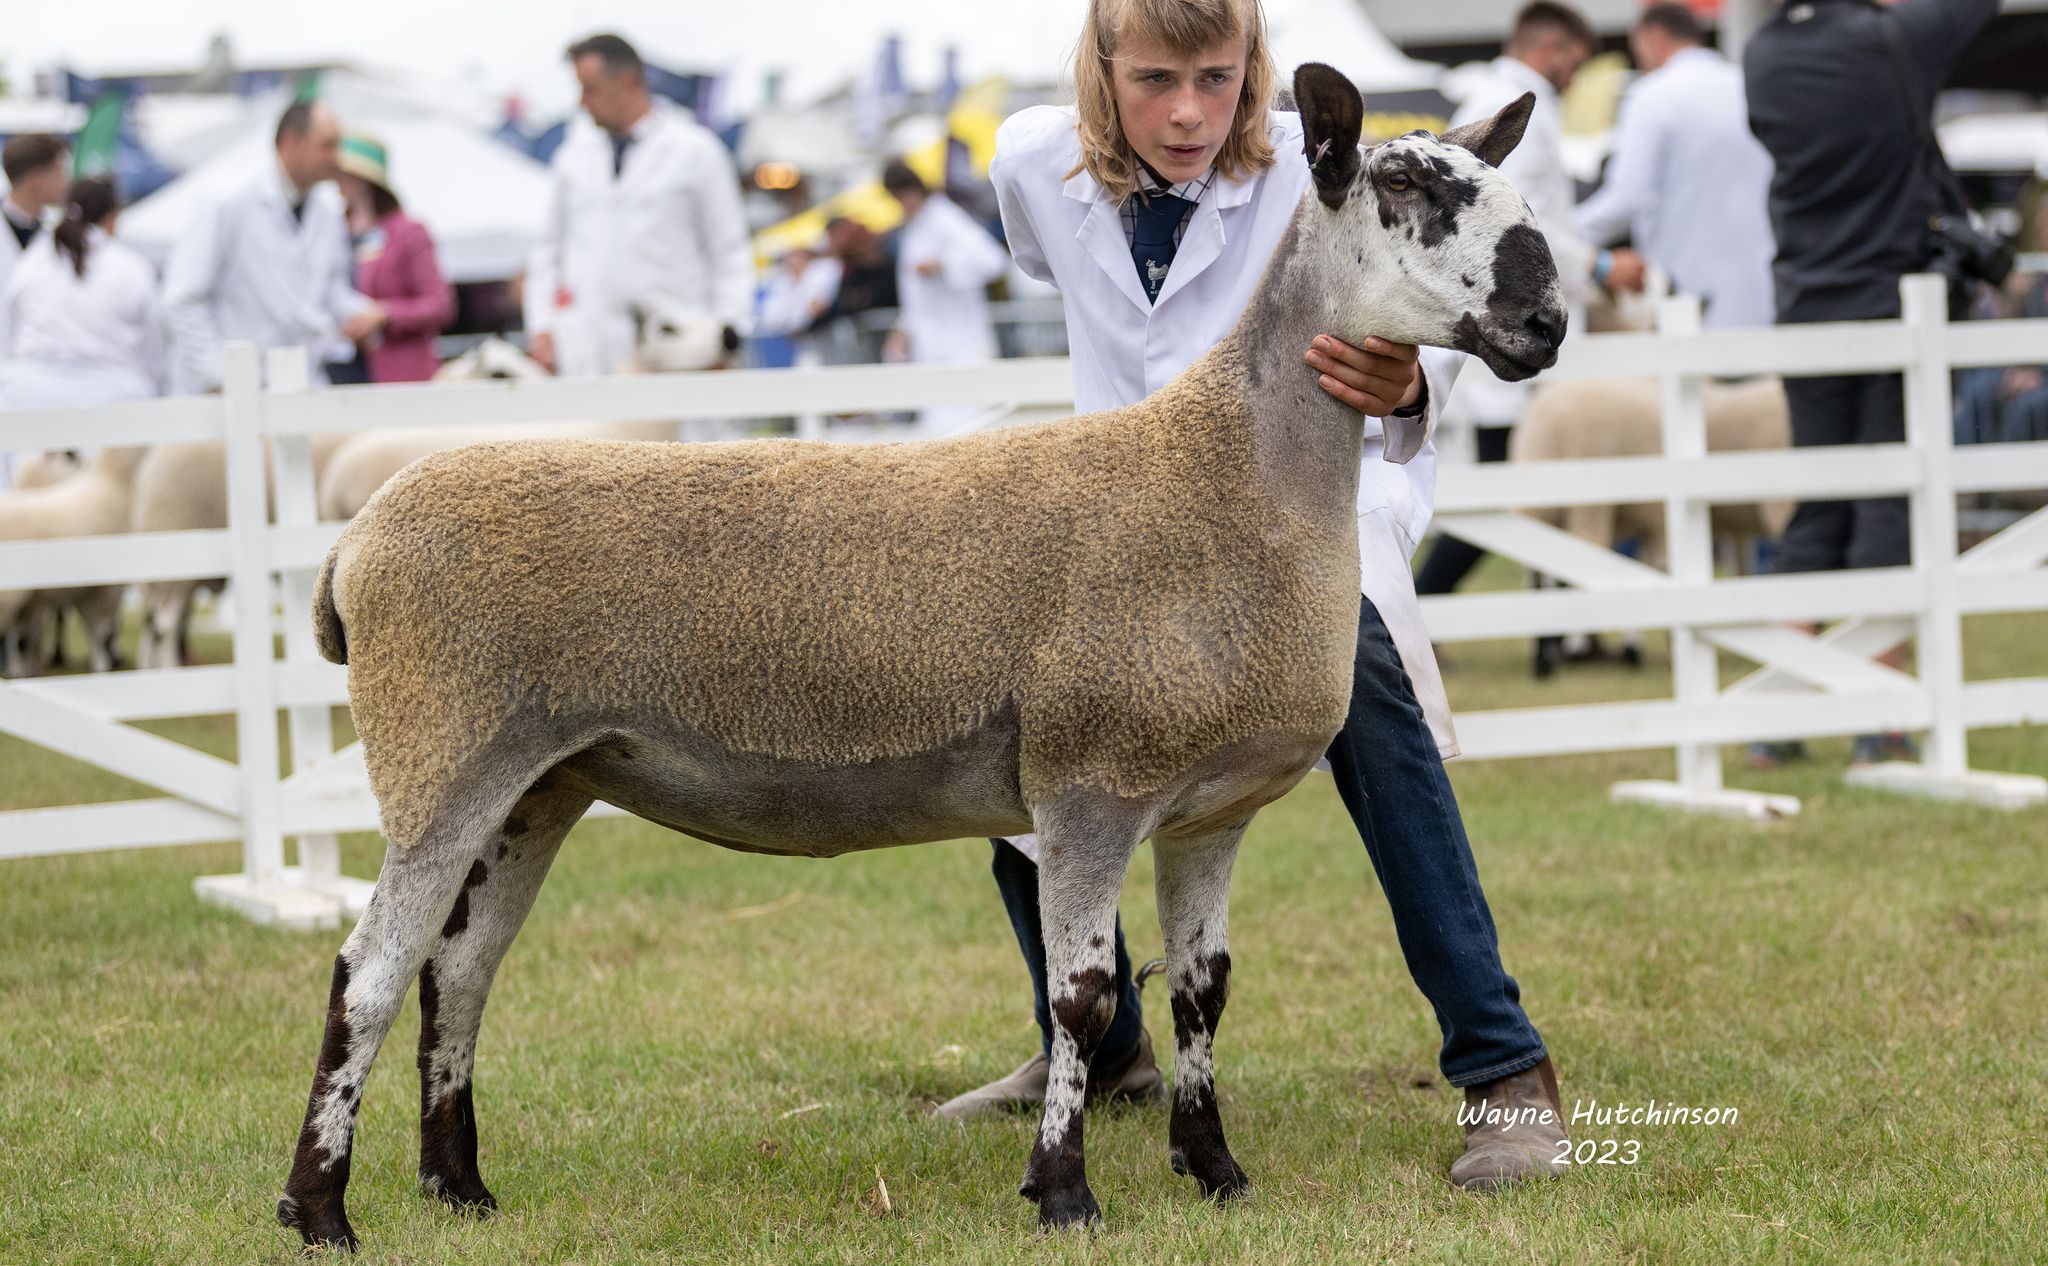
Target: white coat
x: 74, y: 341
x: 10, y: 256
x: 245, y: 271
x: 1691, y: 186
x: 1537, y: 169
x: 1065, y: 230
x: 945, y: 317
x: 666, y: 236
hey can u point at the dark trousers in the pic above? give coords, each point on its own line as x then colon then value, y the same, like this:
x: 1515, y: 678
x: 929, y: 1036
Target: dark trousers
x: 1450, y: 559
x: 1393, y: 783
x: 1833, y: 535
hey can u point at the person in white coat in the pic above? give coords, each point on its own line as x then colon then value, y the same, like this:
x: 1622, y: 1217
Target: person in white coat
x: 1544, y: 51
x: 1154, y: 206
x: 1688, y: 183
x: 944, y: 264
x: 269, y: 262
x: 644, y: 219
x: 84, y: 326
x: 37, y: 167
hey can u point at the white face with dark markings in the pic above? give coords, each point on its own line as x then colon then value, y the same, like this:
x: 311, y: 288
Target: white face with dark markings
x: 1440, y: 246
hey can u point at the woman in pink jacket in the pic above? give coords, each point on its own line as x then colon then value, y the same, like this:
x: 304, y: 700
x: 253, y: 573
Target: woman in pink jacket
x: 395, y: 267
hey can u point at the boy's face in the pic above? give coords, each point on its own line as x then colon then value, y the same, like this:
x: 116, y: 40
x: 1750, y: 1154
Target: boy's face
x: 1176, y: 109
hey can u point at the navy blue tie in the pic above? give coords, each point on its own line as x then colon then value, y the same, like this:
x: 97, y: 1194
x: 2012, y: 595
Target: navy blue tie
x: 1152, y: 238
x: 619, y: 147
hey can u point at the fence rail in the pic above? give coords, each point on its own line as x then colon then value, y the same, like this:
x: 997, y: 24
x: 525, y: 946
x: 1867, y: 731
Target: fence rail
x: 1807, y: 685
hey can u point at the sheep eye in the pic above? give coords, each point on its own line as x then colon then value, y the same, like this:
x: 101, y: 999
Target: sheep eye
x: 1399, y: 182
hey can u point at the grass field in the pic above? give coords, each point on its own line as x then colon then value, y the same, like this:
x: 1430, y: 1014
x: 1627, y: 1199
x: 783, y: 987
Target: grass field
x: 702, y: 1056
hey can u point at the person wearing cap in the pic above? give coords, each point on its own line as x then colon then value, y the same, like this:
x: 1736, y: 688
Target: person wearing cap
x: 396, y: 267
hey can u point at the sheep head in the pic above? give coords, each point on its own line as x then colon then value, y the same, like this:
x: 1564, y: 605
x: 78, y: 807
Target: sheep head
x: 1422, y: 236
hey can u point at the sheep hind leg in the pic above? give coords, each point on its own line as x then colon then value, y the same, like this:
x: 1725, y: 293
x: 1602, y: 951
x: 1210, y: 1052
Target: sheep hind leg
x: 416, y: 891
x: 456, y: 980
x: 1192, y: 882
x: 1082, y: 860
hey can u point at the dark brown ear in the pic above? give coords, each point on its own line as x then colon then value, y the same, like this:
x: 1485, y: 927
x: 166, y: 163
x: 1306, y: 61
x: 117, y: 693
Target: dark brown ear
x: 1332, y: 115
x: 1495, y: 138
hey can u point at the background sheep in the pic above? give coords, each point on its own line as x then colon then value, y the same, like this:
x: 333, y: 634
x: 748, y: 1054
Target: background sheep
x: 184, y: 488
x: 93, y: 502
x: 1623, y: 417
x: 363, y: 462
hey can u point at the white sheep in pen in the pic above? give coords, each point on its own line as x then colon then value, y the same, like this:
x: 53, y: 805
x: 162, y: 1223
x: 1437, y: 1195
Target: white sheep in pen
x: 1127, y: 625
x: 364, y: 461
x: 93, y: 502
x: 1623, y: 417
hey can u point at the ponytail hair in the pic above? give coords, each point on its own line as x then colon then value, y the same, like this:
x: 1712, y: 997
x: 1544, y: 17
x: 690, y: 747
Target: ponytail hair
x: 88, y: 204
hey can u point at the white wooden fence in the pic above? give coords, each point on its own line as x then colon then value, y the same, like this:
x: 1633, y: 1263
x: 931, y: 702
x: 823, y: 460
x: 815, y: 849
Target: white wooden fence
x: 1808, y: 685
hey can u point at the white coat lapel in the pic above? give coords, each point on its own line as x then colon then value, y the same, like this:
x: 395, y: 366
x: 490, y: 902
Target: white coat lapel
x: 1102, y: 236
x: 1202, y: 243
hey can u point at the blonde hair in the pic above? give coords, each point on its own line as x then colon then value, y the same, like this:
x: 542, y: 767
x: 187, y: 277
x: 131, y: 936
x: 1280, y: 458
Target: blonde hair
x: 1185, y: 27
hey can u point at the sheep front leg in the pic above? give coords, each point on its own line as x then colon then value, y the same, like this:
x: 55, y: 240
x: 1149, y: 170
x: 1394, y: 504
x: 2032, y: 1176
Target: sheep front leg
x: 1079, y: 874
x: 456, y: 980
x: 1192, y: 882
x: 414, y: 895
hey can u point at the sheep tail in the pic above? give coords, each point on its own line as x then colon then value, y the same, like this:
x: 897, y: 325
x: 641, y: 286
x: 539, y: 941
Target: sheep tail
x: 327, y: 630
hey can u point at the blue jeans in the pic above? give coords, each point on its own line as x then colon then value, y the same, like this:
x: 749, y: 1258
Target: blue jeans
x: 1393, y: 783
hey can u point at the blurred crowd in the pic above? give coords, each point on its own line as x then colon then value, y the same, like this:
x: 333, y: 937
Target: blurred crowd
x: 1773, y: 195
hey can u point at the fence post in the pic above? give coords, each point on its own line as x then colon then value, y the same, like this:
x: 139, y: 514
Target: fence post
x: 1688, y: 542
x: 1944, y: 770
x: 311, y: 725
x: 1930, y: 432
x: 265, y: 891
x: 1689, y: 554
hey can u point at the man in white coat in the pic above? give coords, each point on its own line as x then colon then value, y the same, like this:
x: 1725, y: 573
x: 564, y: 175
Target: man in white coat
x: 269, y: 263
x: 1154, y: 207
x: 645, y: 220
x: 38, y: 167
x: 944, y: 264
x: 1544, y: 50
x: 1688, y: 183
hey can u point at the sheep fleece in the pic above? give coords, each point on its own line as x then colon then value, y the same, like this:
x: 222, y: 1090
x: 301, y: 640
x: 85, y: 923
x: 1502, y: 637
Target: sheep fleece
x: 1120, y: 581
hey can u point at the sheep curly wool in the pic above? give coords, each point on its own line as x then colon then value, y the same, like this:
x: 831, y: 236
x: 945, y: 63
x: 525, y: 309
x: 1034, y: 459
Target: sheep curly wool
x: 840, y: 605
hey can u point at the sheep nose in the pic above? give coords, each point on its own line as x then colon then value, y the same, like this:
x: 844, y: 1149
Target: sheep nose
x: 1548, y: 325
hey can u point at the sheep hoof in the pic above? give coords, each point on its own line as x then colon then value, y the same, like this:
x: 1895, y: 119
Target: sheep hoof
x: 318, y: 1228
x: 1221, y: 1179
x: 464, y: 1195
x: 1071, y: 1210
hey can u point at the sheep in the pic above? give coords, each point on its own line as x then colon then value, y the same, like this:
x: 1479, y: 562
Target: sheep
x: 184, y: 488
x: 1622, y: 417
x: 26, y: 646
x: 93, y: 502
x: 363, y: 462
x: 1130, y: 624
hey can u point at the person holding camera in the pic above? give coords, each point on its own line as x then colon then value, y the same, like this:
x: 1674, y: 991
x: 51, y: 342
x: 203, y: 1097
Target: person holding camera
x: 1841, y: 93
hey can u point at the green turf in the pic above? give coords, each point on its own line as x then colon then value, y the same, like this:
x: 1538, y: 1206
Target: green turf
x: 668, y: 1074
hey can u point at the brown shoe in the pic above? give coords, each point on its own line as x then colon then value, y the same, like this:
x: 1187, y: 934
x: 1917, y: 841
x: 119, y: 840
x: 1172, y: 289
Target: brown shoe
x: 1514, y: 1131
x: 1021, y: 1090
x: 1138, y: 1081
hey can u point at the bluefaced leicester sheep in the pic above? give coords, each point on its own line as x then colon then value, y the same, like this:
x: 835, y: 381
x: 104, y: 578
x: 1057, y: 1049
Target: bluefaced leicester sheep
x: 1130, y: 624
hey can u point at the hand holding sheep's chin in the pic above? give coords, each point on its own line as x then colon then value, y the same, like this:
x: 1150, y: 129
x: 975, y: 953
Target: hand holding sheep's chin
x: 1375, y: 379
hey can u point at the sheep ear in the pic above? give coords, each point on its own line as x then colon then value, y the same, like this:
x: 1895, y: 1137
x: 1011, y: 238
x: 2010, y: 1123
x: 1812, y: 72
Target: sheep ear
x: 1495, y: 138
x: 1332, y: 115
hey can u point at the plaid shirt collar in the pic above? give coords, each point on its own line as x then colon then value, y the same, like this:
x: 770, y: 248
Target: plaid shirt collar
x: 1148, y: 183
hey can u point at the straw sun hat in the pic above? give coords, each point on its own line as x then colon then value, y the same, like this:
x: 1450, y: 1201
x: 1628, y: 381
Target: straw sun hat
x: 363, y: 156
